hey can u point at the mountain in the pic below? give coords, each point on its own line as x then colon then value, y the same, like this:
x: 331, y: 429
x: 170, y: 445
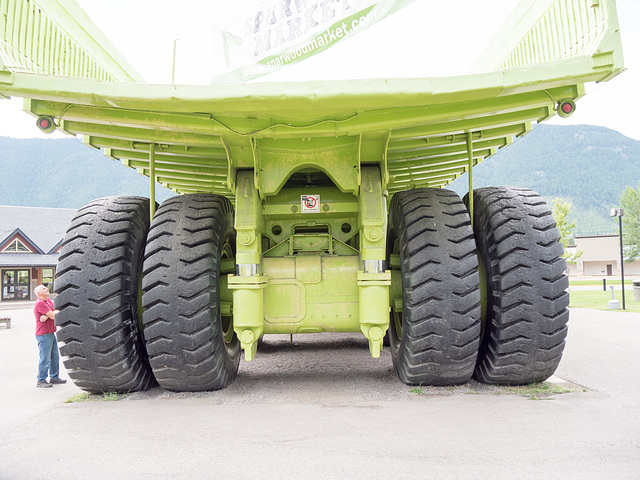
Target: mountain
x: 64, y: 173
x: 587, y: 165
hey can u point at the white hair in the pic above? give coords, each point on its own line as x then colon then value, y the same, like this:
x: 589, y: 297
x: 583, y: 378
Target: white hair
x: 38, y: 289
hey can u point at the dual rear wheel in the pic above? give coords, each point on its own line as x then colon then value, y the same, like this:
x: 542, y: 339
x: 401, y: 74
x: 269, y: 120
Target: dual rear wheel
x: 113, y: 264
x: 488, y: 302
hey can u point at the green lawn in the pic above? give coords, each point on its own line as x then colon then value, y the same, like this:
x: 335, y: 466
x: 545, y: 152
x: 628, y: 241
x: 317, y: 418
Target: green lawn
x: 627, y: 281
x: 598, y: 299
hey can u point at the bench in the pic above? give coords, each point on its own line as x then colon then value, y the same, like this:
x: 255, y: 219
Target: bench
x: 6, y: 321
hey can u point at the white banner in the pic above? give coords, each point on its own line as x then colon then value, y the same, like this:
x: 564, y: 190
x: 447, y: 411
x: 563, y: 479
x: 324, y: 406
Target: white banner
x: 278, y: 33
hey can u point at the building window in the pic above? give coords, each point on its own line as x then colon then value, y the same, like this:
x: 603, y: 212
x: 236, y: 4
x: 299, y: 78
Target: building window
x: 15, y: 284
x: 15, y: 246
x: 47, y: 278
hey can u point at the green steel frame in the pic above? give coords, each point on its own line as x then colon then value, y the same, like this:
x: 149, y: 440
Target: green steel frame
x: 371, y: 138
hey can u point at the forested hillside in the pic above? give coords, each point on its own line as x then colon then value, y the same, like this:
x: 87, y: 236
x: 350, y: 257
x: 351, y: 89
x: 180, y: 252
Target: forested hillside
x: 63, y: 173
x: 588, y: 166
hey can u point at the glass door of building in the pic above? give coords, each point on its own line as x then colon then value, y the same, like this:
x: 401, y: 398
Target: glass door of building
x: 15, y: 284
x: 47, y: 278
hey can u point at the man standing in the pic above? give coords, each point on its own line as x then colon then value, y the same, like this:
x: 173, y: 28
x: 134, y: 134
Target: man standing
x: 46, y: 337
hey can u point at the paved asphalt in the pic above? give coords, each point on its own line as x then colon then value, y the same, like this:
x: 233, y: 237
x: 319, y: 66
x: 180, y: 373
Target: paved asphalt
x: 322, y: 408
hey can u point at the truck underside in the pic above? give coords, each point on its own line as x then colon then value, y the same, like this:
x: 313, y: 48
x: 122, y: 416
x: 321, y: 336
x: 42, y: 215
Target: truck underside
x: 308, y: 208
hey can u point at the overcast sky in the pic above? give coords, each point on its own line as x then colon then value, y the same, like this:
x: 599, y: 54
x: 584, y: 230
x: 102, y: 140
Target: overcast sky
x: 427, y: 38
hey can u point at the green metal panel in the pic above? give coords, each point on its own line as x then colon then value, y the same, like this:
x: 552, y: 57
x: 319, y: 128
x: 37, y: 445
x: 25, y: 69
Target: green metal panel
x: 277, y: 160
x: 414, y: 129
x: 55, y: 37
x: 336, y: 216
x: 548, y: 30
x: 311, y: 294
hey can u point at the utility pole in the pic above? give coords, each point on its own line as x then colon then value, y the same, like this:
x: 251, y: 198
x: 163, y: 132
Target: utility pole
x: 619, y: 212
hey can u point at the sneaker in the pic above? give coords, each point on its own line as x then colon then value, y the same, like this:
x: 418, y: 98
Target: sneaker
x: 43, y: 385
x: 57, y: 381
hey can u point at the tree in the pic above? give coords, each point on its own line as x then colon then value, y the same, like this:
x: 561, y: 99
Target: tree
x: 561, y: 211
x: 630, y: 202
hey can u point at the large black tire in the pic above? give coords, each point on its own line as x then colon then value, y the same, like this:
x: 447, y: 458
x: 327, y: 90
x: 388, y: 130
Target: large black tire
x: 434, y: 341
x: 98, y: 291
x: 526, y: 284
x: 190, y: 347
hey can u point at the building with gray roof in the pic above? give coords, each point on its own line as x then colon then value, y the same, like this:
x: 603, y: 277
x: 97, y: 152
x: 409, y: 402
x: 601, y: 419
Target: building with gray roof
x: 30, y: 239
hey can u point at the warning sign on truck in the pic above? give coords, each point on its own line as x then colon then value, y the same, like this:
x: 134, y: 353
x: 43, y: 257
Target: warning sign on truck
x: 310, y: 203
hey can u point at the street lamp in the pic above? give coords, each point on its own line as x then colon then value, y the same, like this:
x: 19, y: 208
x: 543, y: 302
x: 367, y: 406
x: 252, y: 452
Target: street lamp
x: 619, y: 212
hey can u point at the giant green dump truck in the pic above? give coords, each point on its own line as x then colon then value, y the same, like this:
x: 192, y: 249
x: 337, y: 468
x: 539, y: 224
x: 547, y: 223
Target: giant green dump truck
x: 312, y: 207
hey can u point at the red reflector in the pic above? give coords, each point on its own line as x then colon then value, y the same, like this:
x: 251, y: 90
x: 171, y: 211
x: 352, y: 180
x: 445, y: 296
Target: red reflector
x: 566, y: 108
x: 44, y: 123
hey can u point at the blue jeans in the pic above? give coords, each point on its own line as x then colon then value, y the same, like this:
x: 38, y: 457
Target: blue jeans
x: 49, y: 357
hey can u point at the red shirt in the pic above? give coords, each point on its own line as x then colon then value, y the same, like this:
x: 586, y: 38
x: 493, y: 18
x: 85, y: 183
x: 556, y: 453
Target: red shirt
x: 40, y: 308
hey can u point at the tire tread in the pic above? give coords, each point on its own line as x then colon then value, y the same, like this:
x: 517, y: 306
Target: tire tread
x: 527, y: 310
x: 97, y: 287
x: 441, y: 312
x: 183, y: 335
